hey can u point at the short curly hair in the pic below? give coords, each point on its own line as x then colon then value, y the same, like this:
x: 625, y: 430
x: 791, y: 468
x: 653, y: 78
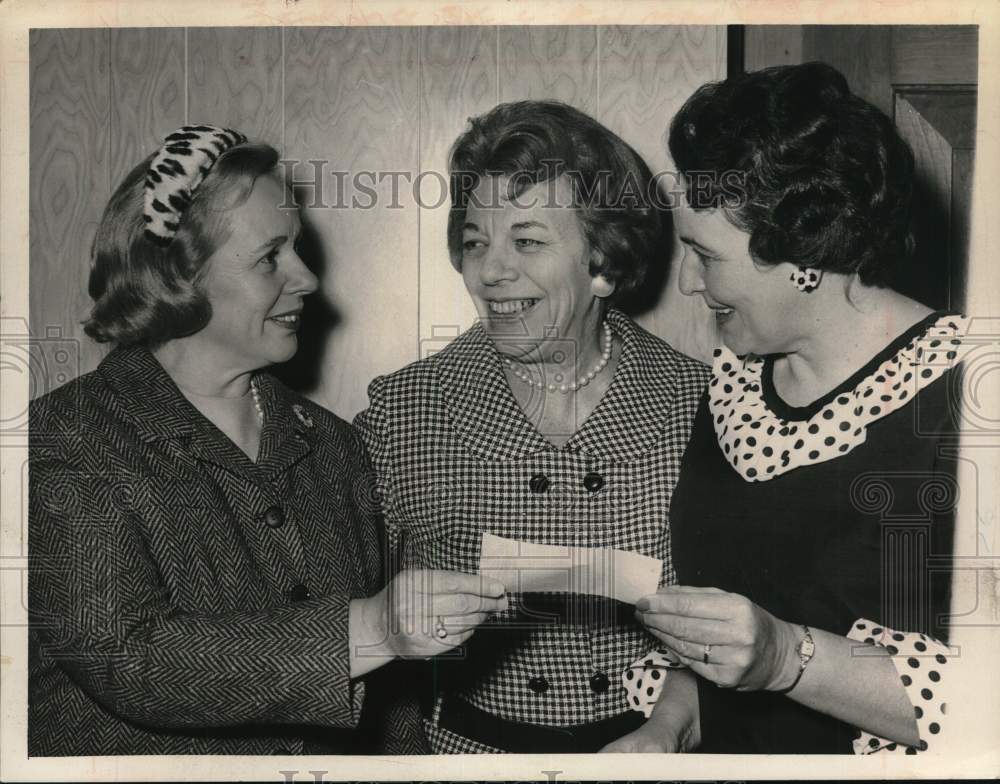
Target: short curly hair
x: 145, y: 294
x: 825, y: 180
x: 613, y: 189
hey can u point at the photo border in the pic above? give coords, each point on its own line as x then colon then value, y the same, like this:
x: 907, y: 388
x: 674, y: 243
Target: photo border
x: 972, y: 759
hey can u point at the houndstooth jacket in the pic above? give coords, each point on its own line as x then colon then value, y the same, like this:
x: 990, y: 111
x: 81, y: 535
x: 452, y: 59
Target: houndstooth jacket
x: 456, y: 457
x: 183, y: 599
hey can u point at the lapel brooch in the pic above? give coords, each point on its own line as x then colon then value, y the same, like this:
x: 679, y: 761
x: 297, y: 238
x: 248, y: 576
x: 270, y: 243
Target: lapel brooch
x: 302, y: 415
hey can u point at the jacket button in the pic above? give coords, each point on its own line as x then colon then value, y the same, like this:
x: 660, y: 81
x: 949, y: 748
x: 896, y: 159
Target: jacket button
x: 274, y: 517
x: 298, y: 593
x: 538, y: 684
x: 599, y: 682
x: 593, y: 482
x: 539, y: 483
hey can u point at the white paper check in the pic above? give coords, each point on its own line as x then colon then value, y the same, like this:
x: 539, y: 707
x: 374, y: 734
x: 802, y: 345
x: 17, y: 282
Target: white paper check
x: 600, y: 571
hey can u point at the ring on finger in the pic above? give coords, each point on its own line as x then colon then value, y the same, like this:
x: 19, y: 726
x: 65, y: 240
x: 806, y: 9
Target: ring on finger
x: 439, y: 629
x: 706, y: 653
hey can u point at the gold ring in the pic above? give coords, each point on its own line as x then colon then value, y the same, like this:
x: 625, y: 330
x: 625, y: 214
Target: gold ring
x: 439, y: 630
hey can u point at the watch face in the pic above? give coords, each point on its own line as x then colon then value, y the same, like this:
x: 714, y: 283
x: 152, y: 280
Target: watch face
x: 807, y: 648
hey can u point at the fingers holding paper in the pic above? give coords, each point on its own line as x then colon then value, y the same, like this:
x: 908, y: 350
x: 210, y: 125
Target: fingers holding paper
x: 722, y: 636
x: 429, y: 611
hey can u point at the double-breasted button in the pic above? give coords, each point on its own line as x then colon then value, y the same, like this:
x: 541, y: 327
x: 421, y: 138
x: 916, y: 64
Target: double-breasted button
x: 538, y: 684
x: 539, y: 483
x: 593, y: 482
x: 274, y: 517
x: 599, y: 682
x: 298, y: 593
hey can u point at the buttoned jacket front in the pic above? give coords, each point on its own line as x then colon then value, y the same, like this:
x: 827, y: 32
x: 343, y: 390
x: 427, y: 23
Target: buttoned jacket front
x: 456, y: 457
x: 184, y: 599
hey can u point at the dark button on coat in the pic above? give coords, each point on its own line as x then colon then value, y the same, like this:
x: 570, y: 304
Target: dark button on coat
x: 456, y: 457
x: 160, y: 621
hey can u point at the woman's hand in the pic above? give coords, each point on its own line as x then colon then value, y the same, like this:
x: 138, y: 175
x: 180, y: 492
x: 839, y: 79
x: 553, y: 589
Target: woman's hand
x: 642, y: 741
x: 746, y: 647
x: 674, y: 725
x: 422, y: 613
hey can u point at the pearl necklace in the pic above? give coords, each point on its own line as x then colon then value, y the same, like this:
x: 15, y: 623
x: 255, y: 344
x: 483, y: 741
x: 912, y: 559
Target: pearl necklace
x: 524, y: 376
x: 255, y: 394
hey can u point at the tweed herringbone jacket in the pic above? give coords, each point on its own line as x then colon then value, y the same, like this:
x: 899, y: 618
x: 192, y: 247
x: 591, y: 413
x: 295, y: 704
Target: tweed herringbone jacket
x: 456, y: 457
x: 184, y: 599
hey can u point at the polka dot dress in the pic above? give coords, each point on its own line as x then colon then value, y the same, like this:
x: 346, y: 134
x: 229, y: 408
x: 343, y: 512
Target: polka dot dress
x: 760, y: 445
x: 922, y: 664
x: 643, y: 680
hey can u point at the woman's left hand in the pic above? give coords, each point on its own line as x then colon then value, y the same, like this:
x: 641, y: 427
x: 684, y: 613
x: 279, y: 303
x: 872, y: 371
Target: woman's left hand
x: 724, y: 637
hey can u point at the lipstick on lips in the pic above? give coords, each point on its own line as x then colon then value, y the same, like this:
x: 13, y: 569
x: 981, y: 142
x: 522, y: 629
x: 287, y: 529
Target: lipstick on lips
x: 289, y: 320
x: 510, y: 307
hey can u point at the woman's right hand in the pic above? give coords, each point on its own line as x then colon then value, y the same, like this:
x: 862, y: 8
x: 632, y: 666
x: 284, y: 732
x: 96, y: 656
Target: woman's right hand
x: 418, y: 603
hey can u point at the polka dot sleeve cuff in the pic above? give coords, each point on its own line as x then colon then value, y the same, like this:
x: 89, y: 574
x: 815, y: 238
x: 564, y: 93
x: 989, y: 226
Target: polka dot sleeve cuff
x: 643, y: 680
x: 922, y: 664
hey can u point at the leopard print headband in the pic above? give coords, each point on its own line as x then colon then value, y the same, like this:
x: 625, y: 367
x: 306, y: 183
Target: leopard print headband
x: 177, y: 169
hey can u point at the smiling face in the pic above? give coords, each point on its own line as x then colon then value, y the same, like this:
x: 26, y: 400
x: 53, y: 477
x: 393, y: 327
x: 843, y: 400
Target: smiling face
x: 256, y: 284
x: 525, y: 263
x: 757, y: 309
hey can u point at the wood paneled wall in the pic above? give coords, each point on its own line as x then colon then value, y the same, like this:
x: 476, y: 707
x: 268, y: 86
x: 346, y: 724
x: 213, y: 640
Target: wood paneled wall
x: 361, y: 99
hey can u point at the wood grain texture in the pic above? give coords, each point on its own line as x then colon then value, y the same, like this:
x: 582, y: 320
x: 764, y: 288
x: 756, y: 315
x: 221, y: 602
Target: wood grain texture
x: 950, y: 110
x: 147, y: 89
x: 234, y: 79
x: 935, y: 54
x: 69, y: 163
x: 963, y: 170
x: 459, y: 80
x: 863, y: 53
x: 935, y: 123
x: 375, y: 99
x: 351, y: 98
x: 550, y: 63
x: 767, y: 45
x: 646, y: 75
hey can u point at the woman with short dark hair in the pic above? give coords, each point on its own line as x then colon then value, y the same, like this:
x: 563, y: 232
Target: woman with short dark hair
x: 205, y: 567
x: 611, y: 188
x: 555, y: 420
x: 820, y: 473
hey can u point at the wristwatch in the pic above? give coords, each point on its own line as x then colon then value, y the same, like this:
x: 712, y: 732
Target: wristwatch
x: 805, y: 649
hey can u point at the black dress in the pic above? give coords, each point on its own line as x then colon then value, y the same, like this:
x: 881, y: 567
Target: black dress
x: 829, y: 515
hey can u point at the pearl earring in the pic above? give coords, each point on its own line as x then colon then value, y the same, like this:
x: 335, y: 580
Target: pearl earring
x: 601, y: 287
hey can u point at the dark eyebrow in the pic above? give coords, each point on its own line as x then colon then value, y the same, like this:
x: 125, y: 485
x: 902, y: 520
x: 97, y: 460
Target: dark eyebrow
x: 271, y: 243
x: 529, y: 225
x: 471, y: 226
x: 693, y: 244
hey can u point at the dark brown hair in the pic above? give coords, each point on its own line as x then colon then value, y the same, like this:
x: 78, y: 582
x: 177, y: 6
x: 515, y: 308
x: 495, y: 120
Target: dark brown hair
x: 613, y: 188
x: 826, y: 179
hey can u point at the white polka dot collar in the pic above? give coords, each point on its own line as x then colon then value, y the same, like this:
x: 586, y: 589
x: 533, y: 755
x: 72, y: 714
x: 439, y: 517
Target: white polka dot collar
x: 761, y: 443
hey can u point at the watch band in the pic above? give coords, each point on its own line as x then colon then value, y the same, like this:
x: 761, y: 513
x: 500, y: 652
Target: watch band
x: 805, y: 649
